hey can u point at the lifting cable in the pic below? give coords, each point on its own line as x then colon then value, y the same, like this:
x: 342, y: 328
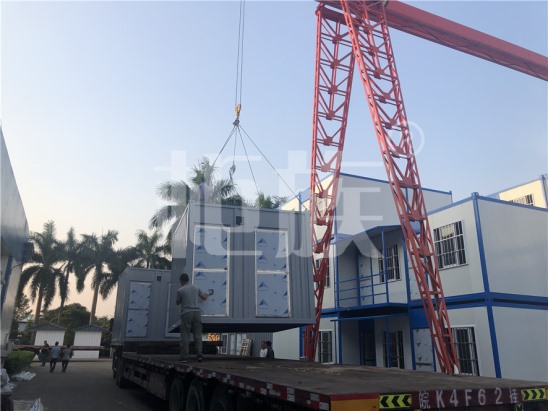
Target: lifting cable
x: 237, y: 129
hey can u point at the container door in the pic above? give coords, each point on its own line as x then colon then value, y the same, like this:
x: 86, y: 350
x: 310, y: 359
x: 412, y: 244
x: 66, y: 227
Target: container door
x: 138, y: 309
x: 424, y: 356
x: 211, y: 267
x: 272, y: 273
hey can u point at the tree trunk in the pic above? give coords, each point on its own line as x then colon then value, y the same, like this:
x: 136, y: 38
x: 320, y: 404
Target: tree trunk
x: 94, y: 303
x: 38, y: 306
x: 62, y: 305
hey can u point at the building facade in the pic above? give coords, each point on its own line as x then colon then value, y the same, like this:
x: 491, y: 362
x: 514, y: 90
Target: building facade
x: 14, y: 232
x: 494, y: 269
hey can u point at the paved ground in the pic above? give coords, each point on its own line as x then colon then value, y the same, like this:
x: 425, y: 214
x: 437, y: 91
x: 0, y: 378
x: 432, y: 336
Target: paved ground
x: 86, y: 386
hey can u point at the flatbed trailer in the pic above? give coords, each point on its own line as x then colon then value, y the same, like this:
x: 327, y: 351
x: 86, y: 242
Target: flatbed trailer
x: 225, y: 383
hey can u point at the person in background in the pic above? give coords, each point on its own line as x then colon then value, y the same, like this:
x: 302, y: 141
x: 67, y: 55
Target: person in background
x: 67, y: 355
x: 264, y: 349
x: 55, y: 353
x: 191, y: 316
x: 270, y: 351
x: 44, y: 352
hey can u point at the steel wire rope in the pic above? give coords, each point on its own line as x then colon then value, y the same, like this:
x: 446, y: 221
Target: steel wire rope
x: 248, y: 161
x: 269, y: 163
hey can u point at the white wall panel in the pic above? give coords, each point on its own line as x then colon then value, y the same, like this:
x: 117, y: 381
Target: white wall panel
x: 365, y: 203
x: 88, y: 339
x: 515, y: 240
x: 535, y: 188
x: 286, y: 344
x: 522, y: 337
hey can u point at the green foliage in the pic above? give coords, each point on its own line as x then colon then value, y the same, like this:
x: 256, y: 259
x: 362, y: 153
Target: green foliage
x: 72, y: 316
x: 104, y: 322
x: 18, y: 361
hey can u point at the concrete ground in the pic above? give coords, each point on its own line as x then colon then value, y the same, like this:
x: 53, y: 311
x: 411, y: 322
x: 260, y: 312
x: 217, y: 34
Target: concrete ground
x: 86, y: 386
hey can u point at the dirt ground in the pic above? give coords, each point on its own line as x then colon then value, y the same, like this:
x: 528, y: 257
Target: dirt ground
x: 86, y: 386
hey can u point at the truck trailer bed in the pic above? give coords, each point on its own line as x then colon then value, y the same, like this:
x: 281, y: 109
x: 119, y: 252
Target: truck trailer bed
x: 322, y: 386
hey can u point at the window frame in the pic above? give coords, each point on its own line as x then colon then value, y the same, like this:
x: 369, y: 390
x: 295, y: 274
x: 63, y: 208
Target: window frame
x: 450, y: 246
x: 393, y: 264
x: 327, y: 274
x: 397, y: 350
x: 325, y: 347
x: 467, y: 352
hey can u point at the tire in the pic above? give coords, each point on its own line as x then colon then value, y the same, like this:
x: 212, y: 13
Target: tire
x: 121, y: 382
x: 221, y: 399
x: 195, y: 396
x: 7, y: 404
x: 177, y: 395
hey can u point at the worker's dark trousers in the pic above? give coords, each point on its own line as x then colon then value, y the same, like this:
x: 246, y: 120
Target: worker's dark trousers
x: 191, y: 322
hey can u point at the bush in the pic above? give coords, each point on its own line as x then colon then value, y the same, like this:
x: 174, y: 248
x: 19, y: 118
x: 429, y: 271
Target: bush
x: 17, y: 361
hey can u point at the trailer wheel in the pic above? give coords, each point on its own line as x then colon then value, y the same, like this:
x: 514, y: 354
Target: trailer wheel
x: 195, y: 396
x: 221, y: 399
x: 177, y: 395
x: 120, y: 380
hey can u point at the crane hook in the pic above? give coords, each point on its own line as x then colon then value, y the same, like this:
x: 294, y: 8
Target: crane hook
x: 237, y: 110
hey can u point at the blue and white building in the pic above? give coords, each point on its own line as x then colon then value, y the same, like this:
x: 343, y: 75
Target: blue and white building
x: 492, y: 254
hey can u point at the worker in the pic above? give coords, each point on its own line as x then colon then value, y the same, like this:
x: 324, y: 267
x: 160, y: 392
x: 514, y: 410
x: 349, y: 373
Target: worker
x: 66, y: 356
x: 270, y: 351
x: 264, y: 349
x: 191, y: 316
x: 54, y: 356
x: 44, y: 353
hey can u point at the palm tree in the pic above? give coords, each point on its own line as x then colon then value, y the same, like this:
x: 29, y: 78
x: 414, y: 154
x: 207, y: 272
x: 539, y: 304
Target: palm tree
x: 179, y: 194
x: 43, y: 272
x: 150, y: 250
x: 122, y: 259
x: 98, y: 255
x: 71, y: 253
x: 264, y: 201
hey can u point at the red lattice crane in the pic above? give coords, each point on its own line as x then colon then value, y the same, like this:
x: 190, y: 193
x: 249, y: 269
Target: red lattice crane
x: 353, y: 35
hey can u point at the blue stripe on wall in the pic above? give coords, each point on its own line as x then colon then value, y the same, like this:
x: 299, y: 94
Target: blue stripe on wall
x: 488, y: 302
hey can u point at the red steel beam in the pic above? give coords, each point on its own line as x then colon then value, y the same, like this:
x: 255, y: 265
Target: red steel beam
x: 420, y: 23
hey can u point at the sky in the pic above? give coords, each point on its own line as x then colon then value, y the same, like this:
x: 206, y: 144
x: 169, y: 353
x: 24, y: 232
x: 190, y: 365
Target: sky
x: 102, y: 101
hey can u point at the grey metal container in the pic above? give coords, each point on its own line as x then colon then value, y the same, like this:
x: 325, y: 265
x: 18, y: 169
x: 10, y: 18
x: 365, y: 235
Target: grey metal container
x: 142, y: 306
x: 257, y: 261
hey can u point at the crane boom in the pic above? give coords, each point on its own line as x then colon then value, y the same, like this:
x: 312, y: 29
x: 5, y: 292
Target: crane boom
x: 429, y: 26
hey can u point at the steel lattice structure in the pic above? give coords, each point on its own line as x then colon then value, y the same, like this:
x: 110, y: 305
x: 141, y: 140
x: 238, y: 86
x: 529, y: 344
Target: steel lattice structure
x: 360, y: 35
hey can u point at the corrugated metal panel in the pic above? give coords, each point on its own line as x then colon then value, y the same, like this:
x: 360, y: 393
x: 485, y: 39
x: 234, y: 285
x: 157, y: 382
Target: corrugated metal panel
x: 51, y: 336
x: 86, y: 338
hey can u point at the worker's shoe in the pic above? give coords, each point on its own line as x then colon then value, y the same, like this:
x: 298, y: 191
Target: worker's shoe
x: 200, y: 358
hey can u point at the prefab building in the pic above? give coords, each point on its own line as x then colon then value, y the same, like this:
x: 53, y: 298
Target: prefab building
x: 88, y: 336
x: 48, y: 332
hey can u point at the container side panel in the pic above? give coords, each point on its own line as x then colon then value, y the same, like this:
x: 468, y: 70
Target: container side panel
x: 138, y: 309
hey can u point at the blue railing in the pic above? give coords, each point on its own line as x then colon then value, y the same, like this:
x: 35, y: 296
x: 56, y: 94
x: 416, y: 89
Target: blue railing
x: 354, y: 290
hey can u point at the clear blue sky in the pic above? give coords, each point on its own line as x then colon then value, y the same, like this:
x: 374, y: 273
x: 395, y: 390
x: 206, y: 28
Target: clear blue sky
x: 102, y: 101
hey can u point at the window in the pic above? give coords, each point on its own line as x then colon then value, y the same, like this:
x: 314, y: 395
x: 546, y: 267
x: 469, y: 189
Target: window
x: 465, y: 344
x: 325, y: 346
x: 527, y: 200
x: 395, y: 347
x: 224, y: 339
x: 327, y: 276
x: 392, y: 269
x: 449, y: 243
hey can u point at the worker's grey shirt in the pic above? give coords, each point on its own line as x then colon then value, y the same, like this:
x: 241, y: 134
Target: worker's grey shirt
x: 187, y: 298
